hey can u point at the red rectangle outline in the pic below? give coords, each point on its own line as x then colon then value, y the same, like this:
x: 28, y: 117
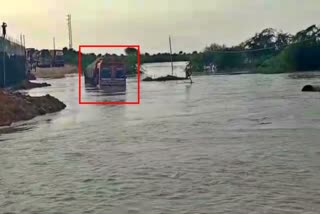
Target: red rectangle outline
x: 80, y: 74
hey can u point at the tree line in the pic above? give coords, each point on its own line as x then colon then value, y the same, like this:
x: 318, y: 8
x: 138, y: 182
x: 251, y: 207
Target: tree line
x: 270, y: 51
x: 129, y: 57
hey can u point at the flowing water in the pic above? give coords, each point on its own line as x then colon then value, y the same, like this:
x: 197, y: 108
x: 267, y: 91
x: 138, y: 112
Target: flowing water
x: 225, y: 144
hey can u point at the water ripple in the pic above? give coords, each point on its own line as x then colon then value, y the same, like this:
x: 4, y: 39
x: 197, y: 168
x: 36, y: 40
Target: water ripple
x: 227, y: 144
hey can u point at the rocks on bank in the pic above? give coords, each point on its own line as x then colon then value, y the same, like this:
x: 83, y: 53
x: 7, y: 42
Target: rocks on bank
x: 15, y: 106
x: 311, y: 88
x: 26, y: 84
x: 166, y: 78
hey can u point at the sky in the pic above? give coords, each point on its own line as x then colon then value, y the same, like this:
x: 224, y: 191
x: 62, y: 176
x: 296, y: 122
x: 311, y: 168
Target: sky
x: 192, y: 24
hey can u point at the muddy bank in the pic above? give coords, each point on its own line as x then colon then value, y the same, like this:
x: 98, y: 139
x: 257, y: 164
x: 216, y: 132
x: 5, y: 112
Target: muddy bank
x: 166, y: 78
x: 55, y: 72
x: 15, y: 106
x: 26, y: 84
x: 31, y: 76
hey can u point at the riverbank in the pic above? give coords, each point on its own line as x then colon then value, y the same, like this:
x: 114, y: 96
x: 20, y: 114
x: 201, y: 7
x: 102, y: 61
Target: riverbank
x: 55, y: 72
x: 165, y: 78
x: 15, y: 106
x: 305, y: 75
x: 26, y: 85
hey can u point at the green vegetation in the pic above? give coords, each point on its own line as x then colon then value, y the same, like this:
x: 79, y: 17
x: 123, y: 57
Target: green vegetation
x: 131, y: 60
x: 302, y: 55
x: 267, y: 52
x: 71, y: 57
x: 165, y: 57
x: 130, y: 57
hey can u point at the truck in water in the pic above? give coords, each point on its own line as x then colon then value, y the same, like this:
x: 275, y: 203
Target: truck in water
x: 57, y: 58
x: 106, y: 73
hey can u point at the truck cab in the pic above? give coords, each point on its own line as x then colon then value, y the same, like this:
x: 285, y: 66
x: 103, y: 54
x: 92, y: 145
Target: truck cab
x: 108, y: 73
x: 57, y: 57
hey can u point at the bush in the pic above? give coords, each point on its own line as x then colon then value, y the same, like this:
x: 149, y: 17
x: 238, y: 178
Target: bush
x: 299, y: 57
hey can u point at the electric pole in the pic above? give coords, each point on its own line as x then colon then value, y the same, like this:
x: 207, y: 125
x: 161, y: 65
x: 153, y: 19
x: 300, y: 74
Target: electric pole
x: 24, y: 41
x: 54, y: 44
x: 171, y: 55
x: 21, y: 43
x: 69, y: 30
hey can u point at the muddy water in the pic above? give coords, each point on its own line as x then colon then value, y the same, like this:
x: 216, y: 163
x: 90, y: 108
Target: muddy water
x: 226, y: 144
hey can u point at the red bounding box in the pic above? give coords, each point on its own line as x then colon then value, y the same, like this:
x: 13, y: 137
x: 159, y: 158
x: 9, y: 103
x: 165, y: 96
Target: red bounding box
x: 109, y: 46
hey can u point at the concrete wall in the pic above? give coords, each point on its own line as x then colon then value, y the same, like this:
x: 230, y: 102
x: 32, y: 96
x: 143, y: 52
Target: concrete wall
x: 15, y: 63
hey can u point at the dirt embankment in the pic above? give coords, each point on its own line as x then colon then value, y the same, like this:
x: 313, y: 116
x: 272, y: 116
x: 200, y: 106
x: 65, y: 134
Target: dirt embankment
x: 55, y: 72
x: 166, y: 78
x: 15, y: 106
x: 26, y: 84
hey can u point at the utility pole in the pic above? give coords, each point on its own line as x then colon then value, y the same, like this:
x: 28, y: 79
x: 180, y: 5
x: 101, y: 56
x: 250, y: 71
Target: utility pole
x: 54, y: 44
x: 54, y: 52
x: 24, y: 41
x: 171, y: 55
x: 21, y: 40
x: 69, y: 30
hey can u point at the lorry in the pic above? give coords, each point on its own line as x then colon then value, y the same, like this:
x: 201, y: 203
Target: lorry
x: 106, y: 72
x: 44, y: 58
x: 57, y: 58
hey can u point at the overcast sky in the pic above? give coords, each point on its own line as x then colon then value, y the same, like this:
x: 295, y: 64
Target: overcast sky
x: 193, y: 24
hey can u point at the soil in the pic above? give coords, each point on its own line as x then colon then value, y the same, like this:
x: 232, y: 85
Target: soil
x: 26, y: 84
x: 15, y: 106
x: 166, y: 78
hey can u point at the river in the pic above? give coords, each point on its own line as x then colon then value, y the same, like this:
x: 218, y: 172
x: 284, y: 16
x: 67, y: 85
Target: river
x: 225, y: 144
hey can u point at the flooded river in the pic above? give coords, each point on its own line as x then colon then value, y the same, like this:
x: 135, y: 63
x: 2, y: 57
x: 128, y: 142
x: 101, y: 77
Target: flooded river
x: 225, y: 144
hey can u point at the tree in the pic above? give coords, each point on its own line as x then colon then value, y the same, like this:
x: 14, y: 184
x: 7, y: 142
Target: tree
x: 301, y: 55
x: 215, y: 47
x: 311, y: 33
x: 130, y: 51
x: 283, y: 39
x: 264, y: 39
